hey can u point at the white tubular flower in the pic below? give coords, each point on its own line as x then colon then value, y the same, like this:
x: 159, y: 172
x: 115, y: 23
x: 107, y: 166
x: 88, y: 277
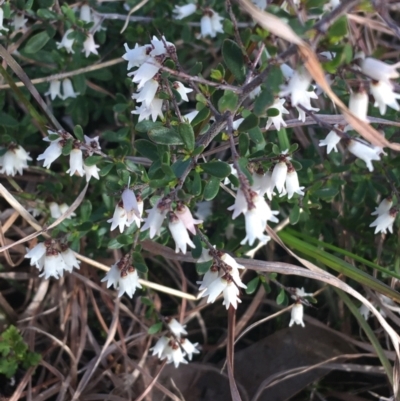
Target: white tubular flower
x: 263, y: 184
x: 2, y: 28
x: 55, y: 211
x: 189, y: 348
x: 176, y: 328
x: 76, y: 163
x: 190, y: 116
x: 52, y: 152
x: 173, y: 353
x: 128, y: 282
x: 297, y: 315
x: 14, y: 160
x: 214, y: 289
x: 278, y: 177
x: 297, y: 88
x: 205, y: 256
x: 384, y: 222
x: 145, y: 72
x: 236, y: 125
x: 154, y: 220
x: 68, y: 89
x: 119, y: 219
x: 292, y: 183
x: 92, y: 142
x: 364, y: 152
x: 89, y: 45
x: 383, y: 207
x: 364, y: 311
x: 229, y: 260
x: 301, y: 293
x: 136, y: 56
x: 112, y: 276
x: 66, y: 43
x: 358, y: 104
x: 255, y: 227
x: 384, y: 95
x: 179, y: 234
x: 255, y: 92
x: 85, y: 13
x: 331, y: 141
x: 240, y: 205
x: 147, y: 93
x: 54, y: 89
x: 277, y: 120
x: 378, y: 70
x: 184, y: 11
x: 69, y: 258
x: 182, y: 90
x: 54, y: 264
x: 19, y: 22
x: 210, y: 24
x: 130, y: 204
x: 210, y: 276
x: 37, y: 254
x: 306, y: 103
x: 160, y: 346
x: 231, y: 297
x: 185, y: 216
x: 160, y: 46
x: 91, y: 171
x: 63, y: 208
x: 155, y: 110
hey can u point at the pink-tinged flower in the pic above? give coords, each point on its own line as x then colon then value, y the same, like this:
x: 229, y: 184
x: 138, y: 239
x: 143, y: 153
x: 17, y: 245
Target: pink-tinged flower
x: 179, y: 234
x: 184, y: 11
x: 184, y: 215
x: 89, y: 45
x: 383, y: 207
x: 278, y: 177
x: 358, y: 104
x: 155, y: 218
x: 122, y: 277
x: 277, y: 120
x: 145, y: 72
x: 189, y: 348
x: 176, y: 328
x: 66, y: 43
x: 364, y: 152
x: 76, y: 163
x: 136, y: 56
x: 14, y: 160
x: 147, y: 93
x: 378, y: 70
x: 384, y: 95
x: 52, y: 152
x: 331, y: 141
x: 182, y: 90
x: 69, y: 258
x: 292, y: 183
x: 210, y: 24
x: 297, y: 315
x: 240, y: 205
x: 68, y: 89
x: 54, y: 89
x: 384, y: 222
x: 155, y: 110
x: 91, y: 171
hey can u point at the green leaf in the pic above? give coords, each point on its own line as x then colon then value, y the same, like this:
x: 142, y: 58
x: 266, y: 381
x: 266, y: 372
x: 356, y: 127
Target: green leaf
x: 155, y: 328
x: 9, y: 121
x: 196, y: 69
x: 326, y: 193
x: 66, y: 150
x: 180, y: 166
x: 243, y: 144
x: 265, y: 98
x: 272, y: 112
x: 92, y: 160
x: 250, y: 122
x: 196, y: 252
x: 78, y: 132
x: 211, y: 188
x: 187, y: 135
x: 283, y: 139
x: 252, y: 285
x: 294, y: 214
x: 257, y: 137
x: 203, y: 114
x: 233, y: 58
x: 165, y: 136
x: 227, y: 102
x: 216, y: 169
x: 204, y: 267
x: 36, y: 42
x: 147, y: 149
x: 280, y: 299
x: 147, y: 125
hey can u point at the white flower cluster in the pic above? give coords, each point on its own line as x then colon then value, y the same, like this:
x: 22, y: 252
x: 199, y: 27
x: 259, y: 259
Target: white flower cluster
x: 256, y: 210
x: 123, y: 276
x: 14, y: 160
x: 53, y: 258
x: 57, y: 210
x: 55, y: 89
x: 174, y: 348
x: 149, y: 59
x: 386, y: 215
x: 297, y: 310
x: 181, y: 222
x: 222, y: 278
x: 210, y: 23
x: 76, y: 158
